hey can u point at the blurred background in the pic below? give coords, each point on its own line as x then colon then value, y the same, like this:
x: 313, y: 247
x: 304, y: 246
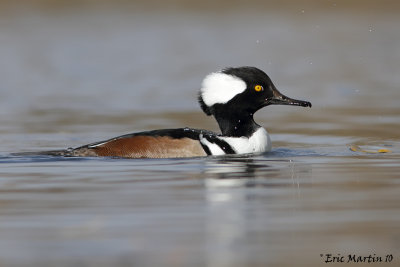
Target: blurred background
x: 121, y: 65
x: 74, y: 72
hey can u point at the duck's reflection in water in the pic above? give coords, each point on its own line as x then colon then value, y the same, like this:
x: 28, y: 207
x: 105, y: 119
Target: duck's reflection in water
x: 241, y: 196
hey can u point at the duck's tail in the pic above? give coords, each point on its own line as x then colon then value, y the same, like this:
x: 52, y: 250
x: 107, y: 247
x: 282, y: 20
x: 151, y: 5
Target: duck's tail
x: 56, y: 153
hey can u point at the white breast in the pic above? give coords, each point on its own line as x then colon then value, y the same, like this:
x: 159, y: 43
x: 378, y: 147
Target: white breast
x: 258, y: 142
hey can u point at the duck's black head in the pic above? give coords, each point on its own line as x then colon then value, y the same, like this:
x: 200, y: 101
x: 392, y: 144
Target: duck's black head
x: 242, y: 89
x: 237, y: 93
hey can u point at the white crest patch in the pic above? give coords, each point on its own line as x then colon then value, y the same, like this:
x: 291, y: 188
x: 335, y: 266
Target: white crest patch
x: 219, y: 88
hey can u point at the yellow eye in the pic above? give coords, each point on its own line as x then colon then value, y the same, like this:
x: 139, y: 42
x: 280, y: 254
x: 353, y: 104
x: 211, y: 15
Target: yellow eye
x: 258, y: 88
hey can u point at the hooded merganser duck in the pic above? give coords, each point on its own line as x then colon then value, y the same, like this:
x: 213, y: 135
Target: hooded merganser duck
x: 232, y: 96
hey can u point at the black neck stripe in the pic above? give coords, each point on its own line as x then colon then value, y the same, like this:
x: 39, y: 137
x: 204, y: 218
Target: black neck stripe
x: 206, y: 149
x: 221, y: 143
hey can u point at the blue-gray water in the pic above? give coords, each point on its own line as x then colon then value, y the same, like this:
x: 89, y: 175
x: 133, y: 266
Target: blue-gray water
x: 75, y: 74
